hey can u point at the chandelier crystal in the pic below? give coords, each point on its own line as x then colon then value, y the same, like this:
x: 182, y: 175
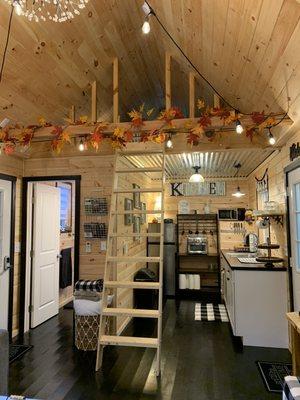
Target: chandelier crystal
x: 53, y: 10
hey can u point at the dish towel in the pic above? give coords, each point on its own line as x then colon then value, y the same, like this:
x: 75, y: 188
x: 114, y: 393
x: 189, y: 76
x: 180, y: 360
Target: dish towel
x: 65, y: 268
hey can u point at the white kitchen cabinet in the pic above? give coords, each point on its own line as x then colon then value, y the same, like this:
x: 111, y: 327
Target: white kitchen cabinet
x: 256, y: 302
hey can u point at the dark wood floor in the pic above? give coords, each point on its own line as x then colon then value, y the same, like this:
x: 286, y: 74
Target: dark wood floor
x: 199, y: 362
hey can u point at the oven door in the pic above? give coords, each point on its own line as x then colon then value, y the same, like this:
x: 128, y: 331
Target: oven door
x: 197, y: 247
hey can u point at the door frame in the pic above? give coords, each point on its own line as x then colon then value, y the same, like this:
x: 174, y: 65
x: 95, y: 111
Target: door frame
x: 13, y: 180
x: 26, y: 181
x: 291, y: 167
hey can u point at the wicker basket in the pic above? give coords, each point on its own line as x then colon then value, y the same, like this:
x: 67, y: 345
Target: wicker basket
x: 86, y: 332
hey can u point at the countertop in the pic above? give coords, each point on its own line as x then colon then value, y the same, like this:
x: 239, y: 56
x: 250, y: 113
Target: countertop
x: 235, y: 264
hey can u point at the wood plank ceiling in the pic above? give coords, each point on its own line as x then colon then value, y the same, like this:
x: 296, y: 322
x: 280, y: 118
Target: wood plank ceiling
x: 249, y: 50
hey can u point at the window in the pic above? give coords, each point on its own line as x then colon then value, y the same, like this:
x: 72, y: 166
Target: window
x: 65, y: 207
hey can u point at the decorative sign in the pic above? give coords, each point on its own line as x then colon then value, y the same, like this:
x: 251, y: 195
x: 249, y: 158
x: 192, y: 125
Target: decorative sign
x: 294, y: 151
x: 197, y: 189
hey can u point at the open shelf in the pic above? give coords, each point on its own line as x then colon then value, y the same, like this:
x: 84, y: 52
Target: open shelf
x: 198, y: 271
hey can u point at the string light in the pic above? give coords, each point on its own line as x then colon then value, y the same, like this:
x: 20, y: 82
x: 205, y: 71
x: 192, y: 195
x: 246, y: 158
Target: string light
x: 146, y: 28
x: 239, y: 127
x: 81, y: 146
x: 53, y: 10
x: 17, y: 7
x: 272, y: 140
x: 169, y: 142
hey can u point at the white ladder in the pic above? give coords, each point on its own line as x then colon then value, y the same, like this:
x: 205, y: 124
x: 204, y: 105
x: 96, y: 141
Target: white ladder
x: 112, y: 262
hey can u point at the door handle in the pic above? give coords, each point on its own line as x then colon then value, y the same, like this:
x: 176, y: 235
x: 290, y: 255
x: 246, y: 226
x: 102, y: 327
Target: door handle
x: 7, y: 265
x: 59, y: 256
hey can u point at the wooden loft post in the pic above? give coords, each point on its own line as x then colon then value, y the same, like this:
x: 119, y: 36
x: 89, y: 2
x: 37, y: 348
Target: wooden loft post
x: 116, y: 118
x: 216, y: 101
x: 94, y: 102
x: 72, y: 117
x: 168, y: 80
x: 192, y: 94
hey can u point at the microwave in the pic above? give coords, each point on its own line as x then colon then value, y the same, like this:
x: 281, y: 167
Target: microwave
x: 233, y: 214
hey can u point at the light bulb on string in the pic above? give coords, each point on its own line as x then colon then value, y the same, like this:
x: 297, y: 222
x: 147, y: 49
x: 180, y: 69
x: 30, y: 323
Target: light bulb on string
x: 81, y: 146
x: 146, y: 27
x: 169, y: 143
x: 272, y: 140
x: 239, y: 127
x: 17, y: 6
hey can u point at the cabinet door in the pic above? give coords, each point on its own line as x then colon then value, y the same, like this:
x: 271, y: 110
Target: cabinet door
x: 230, y: 298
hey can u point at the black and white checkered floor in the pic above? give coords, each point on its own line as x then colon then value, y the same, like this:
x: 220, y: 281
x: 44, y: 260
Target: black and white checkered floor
x: 210, y: 312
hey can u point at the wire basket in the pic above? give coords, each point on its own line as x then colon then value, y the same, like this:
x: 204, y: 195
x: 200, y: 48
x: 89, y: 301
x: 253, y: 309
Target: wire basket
x: 95, y: 206
x: 95, y: 230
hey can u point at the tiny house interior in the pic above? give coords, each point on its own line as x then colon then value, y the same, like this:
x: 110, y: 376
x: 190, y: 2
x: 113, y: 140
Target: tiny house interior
x: 149, y: 199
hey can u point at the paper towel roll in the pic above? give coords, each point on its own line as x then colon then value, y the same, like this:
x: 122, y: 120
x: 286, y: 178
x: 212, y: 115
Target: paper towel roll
x: 182, y: 281
x: 191, y: 281
x: 196, y: 282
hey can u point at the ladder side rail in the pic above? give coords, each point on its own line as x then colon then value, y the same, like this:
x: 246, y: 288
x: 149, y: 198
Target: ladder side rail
x: 161, y: 264
x: 110, y: 242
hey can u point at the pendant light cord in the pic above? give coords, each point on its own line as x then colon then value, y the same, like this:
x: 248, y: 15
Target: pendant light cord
x: 6, y: 43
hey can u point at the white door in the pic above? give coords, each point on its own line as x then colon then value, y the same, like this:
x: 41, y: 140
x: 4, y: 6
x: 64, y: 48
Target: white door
x: 46, y: 248
x: 5, y: 220
x: 294, y: 206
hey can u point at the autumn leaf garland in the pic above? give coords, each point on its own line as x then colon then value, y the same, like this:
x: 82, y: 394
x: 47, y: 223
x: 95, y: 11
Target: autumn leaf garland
x: 197, y: 134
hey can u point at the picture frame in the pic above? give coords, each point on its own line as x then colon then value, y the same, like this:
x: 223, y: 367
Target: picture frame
x: 143, y: 216
x: 136, y: 197
x: 136, y: 227
x: 128, y: 206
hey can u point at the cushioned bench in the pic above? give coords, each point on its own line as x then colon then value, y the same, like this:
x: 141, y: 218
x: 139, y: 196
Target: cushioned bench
x: 4, y: 361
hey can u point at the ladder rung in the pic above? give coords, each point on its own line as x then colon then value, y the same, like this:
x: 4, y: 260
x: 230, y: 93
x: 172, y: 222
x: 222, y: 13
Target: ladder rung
x: 130, y: 312
x: 128, y: 341
x: 133, y: 170
x: 137, y: 212
x: 132, y: 285
x: 132, y: 259
x: 146, y: 190
x: 128, y: 235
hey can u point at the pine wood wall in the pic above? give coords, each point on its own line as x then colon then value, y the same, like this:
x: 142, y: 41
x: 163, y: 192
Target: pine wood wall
x: 275, y: 164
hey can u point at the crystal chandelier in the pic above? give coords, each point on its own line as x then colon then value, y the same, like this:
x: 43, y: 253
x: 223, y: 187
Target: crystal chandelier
x: 53, y: 10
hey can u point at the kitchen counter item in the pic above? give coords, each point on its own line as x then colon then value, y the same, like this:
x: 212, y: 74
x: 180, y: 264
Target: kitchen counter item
x: 269, y: 260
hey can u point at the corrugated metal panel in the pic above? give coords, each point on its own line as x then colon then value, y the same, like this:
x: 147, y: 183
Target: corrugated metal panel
x: 219, y: 164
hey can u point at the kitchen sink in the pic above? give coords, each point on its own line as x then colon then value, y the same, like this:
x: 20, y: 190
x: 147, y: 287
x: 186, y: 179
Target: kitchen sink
x: 242, y: 255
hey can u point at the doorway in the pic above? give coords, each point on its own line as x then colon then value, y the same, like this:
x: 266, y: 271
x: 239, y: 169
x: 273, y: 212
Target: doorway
x: 7, y: 244
x: 292, y: 175
x: 50, y: 246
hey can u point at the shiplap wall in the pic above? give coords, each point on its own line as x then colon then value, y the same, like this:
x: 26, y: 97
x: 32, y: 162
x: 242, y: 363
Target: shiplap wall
x: 97, y: 173
x: 14, y: 166
x: 228, y: 238
x: 275, y: 164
